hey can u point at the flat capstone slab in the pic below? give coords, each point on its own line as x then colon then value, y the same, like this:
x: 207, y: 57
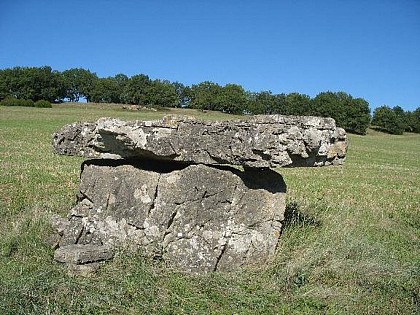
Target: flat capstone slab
x: 259, y: 142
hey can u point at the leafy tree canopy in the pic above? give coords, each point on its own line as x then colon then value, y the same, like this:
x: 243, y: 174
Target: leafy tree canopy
x: 79, y: 83
x: 31, y: 83
x: 388, y: 119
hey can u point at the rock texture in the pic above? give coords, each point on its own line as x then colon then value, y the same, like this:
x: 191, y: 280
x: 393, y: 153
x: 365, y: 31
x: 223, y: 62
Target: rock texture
x: 261, y: 141
x: 163, y: 187
x: 196, y: 218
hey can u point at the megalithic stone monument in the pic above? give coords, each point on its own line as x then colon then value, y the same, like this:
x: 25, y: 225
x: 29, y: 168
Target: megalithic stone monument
x: 170, y: 188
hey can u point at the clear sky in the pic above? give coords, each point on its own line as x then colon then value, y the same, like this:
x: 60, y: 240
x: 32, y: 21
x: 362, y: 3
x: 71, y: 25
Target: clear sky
x: 368, y: 48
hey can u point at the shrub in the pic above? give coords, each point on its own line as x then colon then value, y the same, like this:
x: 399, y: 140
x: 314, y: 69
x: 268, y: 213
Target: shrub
x: 43, y: 104
x: 27, y: 103
x: 11, y: 101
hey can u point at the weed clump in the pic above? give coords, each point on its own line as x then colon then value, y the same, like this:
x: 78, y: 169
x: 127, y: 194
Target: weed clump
x: 294, y: 217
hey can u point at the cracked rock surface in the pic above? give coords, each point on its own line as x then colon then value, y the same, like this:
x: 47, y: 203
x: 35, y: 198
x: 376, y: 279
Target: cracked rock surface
x: 261, y: 141
x: 196, y: 218
x: 164, y: 188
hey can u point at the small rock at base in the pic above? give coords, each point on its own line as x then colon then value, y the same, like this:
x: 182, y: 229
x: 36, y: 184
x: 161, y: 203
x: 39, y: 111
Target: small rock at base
x: 85, y: 270
x: 82, y: 254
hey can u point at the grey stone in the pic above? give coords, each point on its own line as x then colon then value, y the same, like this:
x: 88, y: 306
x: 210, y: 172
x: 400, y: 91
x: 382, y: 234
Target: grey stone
x: 195, y: 218
x: 260, y: 141
x: 59, y: 224
x: 72, y: 232
x: 85, y: 270
x: 82, y: 254
x: 163, y: 187
x: 74, y: 139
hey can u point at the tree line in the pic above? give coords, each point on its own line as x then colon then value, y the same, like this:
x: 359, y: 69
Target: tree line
x: 44, y: 83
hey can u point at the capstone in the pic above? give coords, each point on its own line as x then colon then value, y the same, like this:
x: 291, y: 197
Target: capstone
x: 261, y: 141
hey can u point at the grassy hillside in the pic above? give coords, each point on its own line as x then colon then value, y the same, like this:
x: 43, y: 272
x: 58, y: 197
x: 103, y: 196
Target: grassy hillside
x: 351, y: 244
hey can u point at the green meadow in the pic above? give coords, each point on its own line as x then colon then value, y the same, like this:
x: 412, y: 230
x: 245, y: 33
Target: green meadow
x: 351, y: 242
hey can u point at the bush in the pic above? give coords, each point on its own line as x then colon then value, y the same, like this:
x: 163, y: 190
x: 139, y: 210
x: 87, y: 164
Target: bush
x: 11, y: 101
x: 43, y: 104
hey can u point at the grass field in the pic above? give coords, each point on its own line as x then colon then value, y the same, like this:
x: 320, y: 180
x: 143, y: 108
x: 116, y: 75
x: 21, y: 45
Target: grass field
x: 351, y: 244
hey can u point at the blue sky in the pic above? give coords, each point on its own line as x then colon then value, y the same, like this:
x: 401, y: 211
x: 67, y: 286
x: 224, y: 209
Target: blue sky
x: 368, y: 48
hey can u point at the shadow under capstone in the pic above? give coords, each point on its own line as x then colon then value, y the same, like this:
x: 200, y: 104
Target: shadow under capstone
x: 260, y: 178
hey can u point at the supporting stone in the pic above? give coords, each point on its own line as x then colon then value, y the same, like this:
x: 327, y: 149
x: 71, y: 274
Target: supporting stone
x: 195, y: 218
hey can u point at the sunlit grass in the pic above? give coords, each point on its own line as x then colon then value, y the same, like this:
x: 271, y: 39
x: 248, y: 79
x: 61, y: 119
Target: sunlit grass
x: 351, y: 245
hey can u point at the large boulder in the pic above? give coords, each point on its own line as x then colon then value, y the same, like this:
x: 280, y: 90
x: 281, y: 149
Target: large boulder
x: 164, y: 188
x: 260, y: 141
x: 196, y: 218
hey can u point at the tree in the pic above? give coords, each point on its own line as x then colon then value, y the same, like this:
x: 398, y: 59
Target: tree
x: 12, y: 83
x: 232, y: 99
x: 34, y: 83
x: 4, y: 86
x: 162, y: 94
x: 109, y: 90
x: 416, y: 120
x: 403, y: 117
x: 348, y: 113
x: 388, y: 120
x: 79, y: 83
x: 267, y: 103
x: 329, y: 104
x: 136, y: 90
x: 297, y: 104
x: 46, y: 84
x: 353, y: 114
x: 184, y: 94
x: 105, y: 91
x: 206, y: 96
x: 413, y: 121
x: 121, y: 81
x: 357, y: 116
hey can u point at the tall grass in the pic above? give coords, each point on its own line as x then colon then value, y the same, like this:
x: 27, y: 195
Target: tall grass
x: 350, y: 245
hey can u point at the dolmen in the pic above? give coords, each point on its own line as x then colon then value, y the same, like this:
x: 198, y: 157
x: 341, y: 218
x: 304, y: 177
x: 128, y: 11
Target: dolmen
x: 198, y: 196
